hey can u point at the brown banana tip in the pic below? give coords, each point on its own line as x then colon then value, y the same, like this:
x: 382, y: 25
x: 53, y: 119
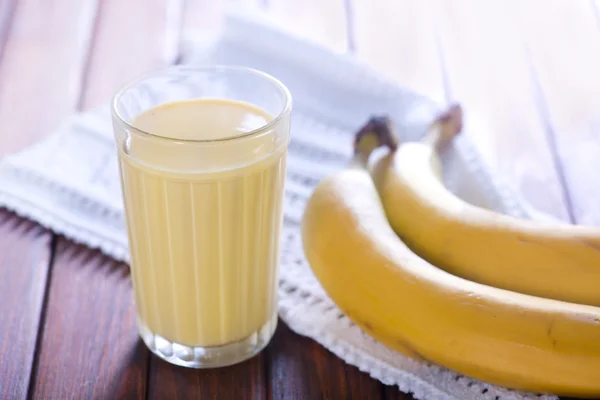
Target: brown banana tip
x: 452, y: 120
x: 378, y: 131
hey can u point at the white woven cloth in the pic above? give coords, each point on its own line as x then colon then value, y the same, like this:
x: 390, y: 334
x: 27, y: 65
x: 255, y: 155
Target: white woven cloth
x: 63, y: 182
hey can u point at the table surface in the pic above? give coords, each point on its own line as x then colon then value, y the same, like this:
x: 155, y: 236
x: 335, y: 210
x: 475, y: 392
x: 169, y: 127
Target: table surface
x: 526, y: 73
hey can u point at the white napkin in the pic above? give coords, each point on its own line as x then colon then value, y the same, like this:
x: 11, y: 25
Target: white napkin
x: 69, y: 183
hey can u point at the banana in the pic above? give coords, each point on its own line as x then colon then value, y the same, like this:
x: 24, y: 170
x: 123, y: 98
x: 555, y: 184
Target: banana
x: 502, y: 337
x: 558, y: 261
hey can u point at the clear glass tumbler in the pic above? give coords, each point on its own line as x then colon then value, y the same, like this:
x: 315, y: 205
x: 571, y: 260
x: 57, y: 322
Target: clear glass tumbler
x: 204, y: 216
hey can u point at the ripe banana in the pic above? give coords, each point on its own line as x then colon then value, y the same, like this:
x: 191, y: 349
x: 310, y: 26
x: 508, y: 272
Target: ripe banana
x: 557, y: 261
x: 498, y: 336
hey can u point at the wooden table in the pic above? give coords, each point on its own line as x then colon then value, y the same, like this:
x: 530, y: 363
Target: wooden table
x: 527, y: 73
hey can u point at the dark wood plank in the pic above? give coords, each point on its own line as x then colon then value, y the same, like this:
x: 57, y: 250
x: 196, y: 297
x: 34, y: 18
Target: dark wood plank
x: 300, y: 368
x: 24, y: 260
x: 392, y: 393
x: 241, y: 381
x: 563, y: 43
x: 35, y: 38
x: 488, y: 71
x: 90, y: 347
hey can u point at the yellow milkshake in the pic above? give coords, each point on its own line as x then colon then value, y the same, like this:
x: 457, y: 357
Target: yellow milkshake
x: 204, y: 211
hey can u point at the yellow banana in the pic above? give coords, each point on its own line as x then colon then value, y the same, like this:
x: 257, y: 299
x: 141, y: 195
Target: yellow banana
x: 498, y: 336
x: 557, y: 261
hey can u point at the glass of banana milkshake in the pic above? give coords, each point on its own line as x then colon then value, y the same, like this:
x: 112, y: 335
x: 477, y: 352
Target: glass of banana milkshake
x: 202, y: 157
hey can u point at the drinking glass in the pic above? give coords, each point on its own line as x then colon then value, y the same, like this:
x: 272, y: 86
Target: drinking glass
x: 204, y: 216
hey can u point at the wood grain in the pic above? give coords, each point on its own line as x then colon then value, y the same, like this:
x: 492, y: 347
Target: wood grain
x: 129, y: 40
x: 33, y: 37
x: 392, y: 393
x: 397, y: 37
x: 563, y: 43
x: 241, y: 381
x: 42, y: 68
x: 500, y: 62
x: 488, y: 71
x: 90, y: 347
x: 300, y: 368
x: 24, y: 261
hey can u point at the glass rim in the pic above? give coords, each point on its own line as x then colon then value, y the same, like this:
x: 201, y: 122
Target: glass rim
x: 215, y: 68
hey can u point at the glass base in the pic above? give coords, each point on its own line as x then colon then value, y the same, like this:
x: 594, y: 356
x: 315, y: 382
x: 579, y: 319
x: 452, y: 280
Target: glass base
x: 212, y: 356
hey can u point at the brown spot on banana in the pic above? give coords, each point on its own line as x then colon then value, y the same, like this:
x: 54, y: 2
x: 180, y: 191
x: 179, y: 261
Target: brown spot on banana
x: 549, y: 333
x: 414, y: 354
x: 588, y: 243
x: 367, y: 326
x: 378, y: 131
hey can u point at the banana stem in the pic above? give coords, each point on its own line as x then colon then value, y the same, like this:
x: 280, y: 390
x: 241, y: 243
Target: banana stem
x: 379, y: 131
x: 445, y: 127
